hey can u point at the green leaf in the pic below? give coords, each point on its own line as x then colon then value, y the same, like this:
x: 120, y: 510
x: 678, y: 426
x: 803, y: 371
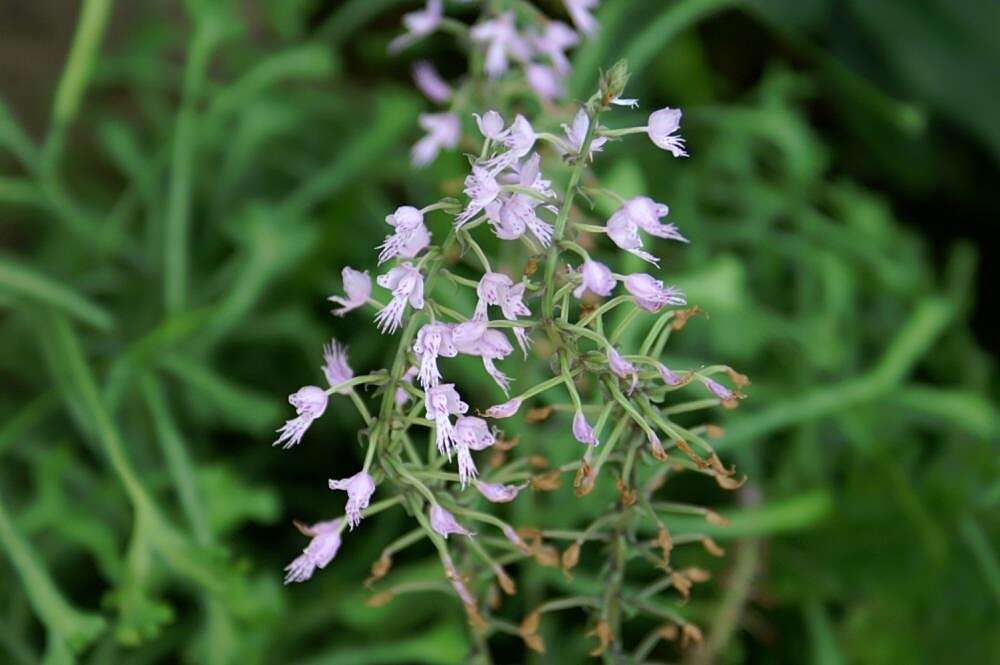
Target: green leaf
x: 75, y: 628
x: 28, y: 283
x: 235, y: 405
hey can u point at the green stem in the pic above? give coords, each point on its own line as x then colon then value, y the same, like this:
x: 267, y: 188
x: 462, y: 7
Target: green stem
x: 177, y: 218
x: 560, y: 225
x: 76, y: 75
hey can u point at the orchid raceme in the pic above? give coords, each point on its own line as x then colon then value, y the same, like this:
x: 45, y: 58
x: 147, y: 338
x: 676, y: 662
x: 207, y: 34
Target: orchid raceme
x: 450, y: 298
x: 512, y: 42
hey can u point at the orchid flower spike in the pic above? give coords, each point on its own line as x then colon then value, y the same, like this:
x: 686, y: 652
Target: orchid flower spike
x: 359, y: 488
x: 318, y: 553
x: 310, y: 403
x: 357, y: 289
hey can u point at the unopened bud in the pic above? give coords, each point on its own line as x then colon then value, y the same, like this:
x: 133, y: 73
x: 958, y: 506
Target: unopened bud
x: 613, y: 82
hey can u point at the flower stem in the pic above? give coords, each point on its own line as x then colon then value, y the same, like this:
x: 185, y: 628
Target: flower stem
x: 560, y: 226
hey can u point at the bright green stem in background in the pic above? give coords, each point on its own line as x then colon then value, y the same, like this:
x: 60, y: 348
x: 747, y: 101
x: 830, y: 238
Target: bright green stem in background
x: 176, y: 264
x: 76, y: 75
x: 24, y: 281
x: 179, y: 461
x: 75, y: 628
x: 927, y: 322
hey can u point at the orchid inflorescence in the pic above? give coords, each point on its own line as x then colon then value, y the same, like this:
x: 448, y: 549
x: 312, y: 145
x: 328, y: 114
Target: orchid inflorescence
x: 513, y: 42
x: 557, y: 298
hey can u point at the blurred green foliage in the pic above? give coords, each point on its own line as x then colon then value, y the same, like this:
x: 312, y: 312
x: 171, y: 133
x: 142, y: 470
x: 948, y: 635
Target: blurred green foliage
x: 170, y: 238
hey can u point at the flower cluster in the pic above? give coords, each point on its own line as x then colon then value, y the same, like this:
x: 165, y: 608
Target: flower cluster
x: 514, y: 40
x: 559, y: 297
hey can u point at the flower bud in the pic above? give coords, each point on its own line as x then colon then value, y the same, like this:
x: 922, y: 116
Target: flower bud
x: 613, y: 82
